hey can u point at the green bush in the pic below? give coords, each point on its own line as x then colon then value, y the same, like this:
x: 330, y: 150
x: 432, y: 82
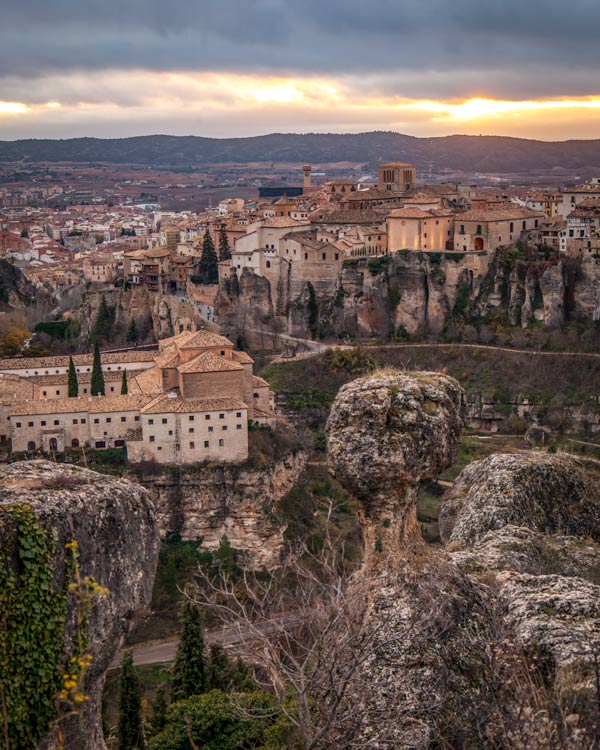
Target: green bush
x: 379, y: 264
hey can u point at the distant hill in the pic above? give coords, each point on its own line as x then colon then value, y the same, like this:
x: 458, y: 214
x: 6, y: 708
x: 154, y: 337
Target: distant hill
x: 456, y: 152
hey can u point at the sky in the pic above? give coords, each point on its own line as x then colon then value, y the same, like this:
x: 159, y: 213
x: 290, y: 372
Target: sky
x: 117, y: 68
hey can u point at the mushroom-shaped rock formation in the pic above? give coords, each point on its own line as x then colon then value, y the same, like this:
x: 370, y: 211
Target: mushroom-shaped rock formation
x: 548, y: 493
x: 386, y: 433
x: 47, y: 511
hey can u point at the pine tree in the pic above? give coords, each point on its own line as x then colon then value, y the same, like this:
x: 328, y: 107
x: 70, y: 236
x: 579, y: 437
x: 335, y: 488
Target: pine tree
x: 72, y: 384
x: 97, y: 385
x: 188, y: 671
x: 224, y: 249
x: 129, y: 730
x: 132, y: 332
x: 124, y: 388
x: 208, y: 269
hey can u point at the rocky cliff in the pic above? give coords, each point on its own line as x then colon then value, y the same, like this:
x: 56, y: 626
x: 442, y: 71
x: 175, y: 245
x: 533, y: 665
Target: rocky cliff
x: 419, y: 294
x: 210, y: 501
x: 494, y: 643
x: 79, y: 552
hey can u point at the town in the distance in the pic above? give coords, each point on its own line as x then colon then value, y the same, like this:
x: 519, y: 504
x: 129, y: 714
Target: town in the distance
x: 174, y: 298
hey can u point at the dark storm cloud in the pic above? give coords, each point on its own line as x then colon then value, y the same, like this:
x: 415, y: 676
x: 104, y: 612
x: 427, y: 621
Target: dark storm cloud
x: 424, y: 48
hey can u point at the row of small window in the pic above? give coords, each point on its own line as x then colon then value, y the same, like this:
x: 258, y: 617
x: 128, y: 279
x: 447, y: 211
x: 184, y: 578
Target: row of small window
x: 191, y: 417
x: 211, y: 429
x: 77, y: 369
x: 83, y: 420
x: 85, y: 390
x: 192, y: 444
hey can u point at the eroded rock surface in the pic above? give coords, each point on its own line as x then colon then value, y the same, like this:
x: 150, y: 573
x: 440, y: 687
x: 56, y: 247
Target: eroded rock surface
x: 113, y: 523
x: 386, y: 433
x: 484, y: 643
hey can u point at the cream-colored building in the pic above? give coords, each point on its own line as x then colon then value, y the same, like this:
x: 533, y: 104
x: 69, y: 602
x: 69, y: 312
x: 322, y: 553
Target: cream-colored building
x: 482, y: 231
x: 188, y: 402
x: 418, y: 229
x: 100, y: 269
x: 396, y: 177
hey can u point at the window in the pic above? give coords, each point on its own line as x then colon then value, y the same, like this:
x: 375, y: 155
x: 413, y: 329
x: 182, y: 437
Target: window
x: 100, y: 444
x: 210, y: 429
x: 108, y: 420
x: 512, y: 226
x: 29, y: 424
x: 74, y: 421
x: 56, y: 422
x: 206, y: 444
x: 136, y: 418
x: 112, y: 389
x: 305, y: 256
x: 207, y: 416
x: 462, y: 228
x: 150, y: 421
x: 151, y: 438
x: 324, y: 256
x: 83, y: 421
x: 256, y: 395
x: 123, y: 419
x: 479, y: 229
x: 44, y: 393
x: 524, y: 225
x: 191, y: 418
x: 238, y: 414
x: 337, y: 256
x: 191, y: 430
x: 31, y: 445
x: 224, y: 427
x: 238, y: 427
x: 42, y: 423
x: 192, y: 445
x: 221, y: 443
x: 221, y: 416
x: 164, y: 420
x: 18, y: 424
x: 170, y: 432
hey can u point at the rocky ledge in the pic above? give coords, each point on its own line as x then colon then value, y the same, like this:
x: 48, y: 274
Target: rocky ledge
x: 73, y: 536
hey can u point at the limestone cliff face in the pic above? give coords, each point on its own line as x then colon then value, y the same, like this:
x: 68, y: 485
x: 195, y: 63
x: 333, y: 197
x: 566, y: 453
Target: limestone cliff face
x: 113, y: 522
x: 240, y: 502
x: 411, y: 292
x: 522, y: 577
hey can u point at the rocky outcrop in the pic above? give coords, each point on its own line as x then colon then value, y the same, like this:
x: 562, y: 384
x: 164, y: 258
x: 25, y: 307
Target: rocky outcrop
x: 533, y: 522
x: 386, y: 433
x: 494, y: 641
x: 208, y: 502
x: 113, y: 523
x: 544, y: 492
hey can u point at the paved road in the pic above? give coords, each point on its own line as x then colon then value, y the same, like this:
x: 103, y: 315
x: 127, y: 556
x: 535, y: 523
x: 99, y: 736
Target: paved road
x: 158, y: 653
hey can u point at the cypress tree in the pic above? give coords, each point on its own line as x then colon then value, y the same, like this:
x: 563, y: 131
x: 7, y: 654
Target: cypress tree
x: 224, y: 249
x: 97, y: 384
x: 129, y: 730
x: 104, y: 321
x: 208, y: 270
x: 188, y: 671
x: 124, y: 389
x: 72, y: 384
x: 159, y: 711
x: 132, y: 333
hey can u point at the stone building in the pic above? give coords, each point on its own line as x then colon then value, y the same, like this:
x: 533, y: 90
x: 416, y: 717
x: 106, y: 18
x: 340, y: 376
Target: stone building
x: 482, y: 231
x: 414, y: 228
x: 189, y: 402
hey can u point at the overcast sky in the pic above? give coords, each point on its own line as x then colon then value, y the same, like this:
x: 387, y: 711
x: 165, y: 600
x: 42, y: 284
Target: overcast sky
x: 226, y: 67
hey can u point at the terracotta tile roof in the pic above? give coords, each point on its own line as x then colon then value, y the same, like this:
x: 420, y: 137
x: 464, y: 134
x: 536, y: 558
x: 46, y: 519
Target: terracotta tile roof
x: 279, y: 222
x: 242, y: 357
x: 146, y: 381
x: 31, y: 363
x: 14, y: 387
x: 506, y: 213
x: 418, y: 213
x: 209, y: 362
x: 169, y: 358
x: 85, y: 404
x: 348, y: 216
x: 170, y: 404
x: 195, y: 340
x: 259, y: 381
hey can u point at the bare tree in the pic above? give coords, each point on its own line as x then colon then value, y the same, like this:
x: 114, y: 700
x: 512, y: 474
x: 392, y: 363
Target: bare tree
x: 305, y: 630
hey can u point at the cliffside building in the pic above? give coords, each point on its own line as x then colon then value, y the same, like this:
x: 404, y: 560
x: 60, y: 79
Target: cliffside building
x: 189, y: 402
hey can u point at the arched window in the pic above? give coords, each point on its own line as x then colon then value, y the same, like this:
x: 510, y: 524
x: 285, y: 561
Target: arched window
x: 256, y: 395
x: 268, y: 264
x: 74, y: 443
x: 31, y: 445
x: 53, y: 444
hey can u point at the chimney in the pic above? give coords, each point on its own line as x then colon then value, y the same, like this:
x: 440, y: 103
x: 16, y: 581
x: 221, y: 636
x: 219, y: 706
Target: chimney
x: 307, y: 169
